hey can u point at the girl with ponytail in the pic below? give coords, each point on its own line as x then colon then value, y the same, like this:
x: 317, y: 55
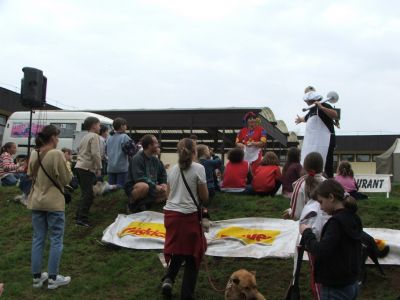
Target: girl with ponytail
x: 184, y: 240
x: 48, y: 170
x: 337, y: 256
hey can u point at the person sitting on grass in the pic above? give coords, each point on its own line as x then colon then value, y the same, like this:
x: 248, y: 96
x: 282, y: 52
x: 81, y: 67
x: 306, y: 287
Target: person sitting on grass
x: 291, y: 171
x: 210, y: 165
x: 88, y: 167
x: 147, y: 180
x: 237, y: 175
x: 266, y: 180
x: 11, y: 173
x: 48, y: 168
x: 345, y: 176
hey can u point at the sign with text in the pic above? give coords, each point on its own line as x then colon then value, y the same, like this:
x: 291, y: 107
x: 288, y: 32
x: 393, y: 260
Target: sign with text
x: 373, y: 183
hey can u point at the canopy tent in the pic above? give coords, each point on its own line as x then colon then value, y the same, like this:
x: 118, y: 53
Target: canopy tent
x: 389, y: 161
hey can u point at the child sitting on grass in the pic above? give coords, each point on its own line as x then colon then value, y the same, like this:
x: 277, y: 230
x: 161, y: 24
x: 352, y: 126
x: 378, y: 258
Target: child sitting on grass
x: 345, y: 176
x: 210, y: 165
x: 291, y: 171
x: 266, y: 180
x: 237, y: 176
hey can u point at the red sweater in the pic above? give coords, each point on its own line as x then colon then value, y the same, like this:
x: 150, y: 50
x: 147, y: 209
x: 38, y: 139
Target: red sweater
x: 265, y: 178
x: 235, y: 175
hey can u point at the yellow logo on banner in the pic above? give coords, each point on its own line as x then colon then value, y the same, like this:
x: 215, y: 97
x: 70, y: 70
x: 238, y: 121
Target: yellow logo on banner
x: 152, y: 230
x: 249, y: 236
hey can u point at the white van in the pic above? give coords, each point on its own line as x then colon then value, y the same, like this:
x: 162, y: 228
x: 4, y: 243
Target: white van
x: 69, y: 122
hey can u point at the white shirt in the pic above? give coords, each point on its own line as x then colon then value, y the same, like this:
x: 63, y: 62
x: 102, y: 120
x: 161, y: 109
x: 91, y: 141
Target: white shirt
x: 179, y: 198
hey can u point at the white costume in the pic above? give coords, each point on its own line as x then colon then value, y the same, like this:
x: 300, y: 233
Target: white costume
x: 317, y: 136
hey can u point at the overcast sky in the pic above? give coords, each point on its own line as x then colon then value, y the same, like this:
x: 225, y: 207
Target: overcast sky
x: 211, y: 53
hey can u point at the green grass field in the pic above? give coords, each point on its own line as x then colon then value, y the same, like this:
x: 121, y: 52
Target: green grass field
x: 100, y: 272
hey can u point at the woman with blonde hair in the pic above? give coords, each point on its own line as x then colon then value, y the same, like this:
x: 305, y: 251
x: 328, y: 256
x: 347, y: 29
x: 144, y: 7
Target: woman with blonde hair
x: 184, y: 241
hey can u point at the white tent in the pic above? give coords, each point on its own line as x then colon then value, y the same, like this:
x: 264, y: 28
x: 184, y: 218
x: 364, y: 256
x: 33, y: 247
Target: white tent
x: 389, y: 161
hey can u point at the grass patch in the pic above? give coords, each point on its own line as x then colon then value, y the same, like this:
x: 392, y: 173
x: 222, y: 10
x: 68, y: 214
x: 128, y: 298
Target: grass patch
x: 100, y: 272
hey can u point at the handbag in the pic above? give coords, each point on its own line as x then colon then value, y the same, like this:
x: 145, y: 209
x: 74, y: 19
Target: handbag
x: 202, y: 213
x: 67, y: 196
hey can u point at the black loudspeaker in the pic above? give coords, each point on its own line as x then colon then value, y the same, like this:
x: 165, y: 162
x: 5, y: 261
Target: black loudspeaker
x: 33, y: 88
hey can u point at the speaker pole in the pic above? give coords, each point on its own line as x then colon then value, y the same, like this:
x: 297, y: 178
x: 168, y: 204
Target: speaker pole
x: 30, y: 134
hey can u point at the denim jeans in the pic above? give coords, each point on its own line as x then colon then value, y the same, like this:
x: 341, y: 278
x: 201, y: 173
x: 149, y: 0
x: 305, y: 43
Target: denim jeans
x: 348, y: 292
x: 24, y: 182
x: 117, y: 178
x: 43, y: 223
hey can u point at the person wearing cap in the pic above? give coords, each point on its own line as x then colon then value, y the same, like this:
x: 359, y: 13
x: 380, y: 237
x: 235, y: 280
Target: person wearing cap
x: 320, y: 132
x: 252, y: 140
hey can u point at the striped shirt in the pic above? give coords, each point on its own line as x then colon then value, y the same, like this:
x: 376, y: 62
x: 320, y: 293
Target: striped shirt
x: 7, y: 165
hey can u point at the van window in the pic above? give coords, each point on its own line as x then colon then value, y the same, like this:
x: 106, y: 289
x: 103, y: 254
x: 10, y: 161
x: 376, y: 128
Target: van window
x: 66, y: 129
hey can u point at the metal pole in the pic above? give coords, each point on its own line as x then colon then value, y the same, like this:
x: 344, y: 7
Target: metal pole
x: 30, y: 134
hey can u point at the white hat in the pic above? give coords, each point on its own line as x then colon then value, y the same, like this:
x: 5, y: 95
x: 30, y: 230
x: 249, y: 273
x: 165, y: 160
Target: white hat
x: 312, y: 96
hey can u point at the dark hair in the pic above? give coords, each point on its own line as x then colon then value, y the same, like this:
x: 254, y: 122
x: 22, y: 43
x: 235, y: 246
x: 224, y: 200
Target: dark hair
x: 334, y: 188
x: 146, y: 141
x: 293, y: 157
x: 193, y: 137
x: 270, y: 159
x: 236, y: 155
x: 344, y: 169
x: 44, y: 136
x: 313, y: 164
x: 66, y: 150
x: 201, y: 150
x: 6, y: 147
x: 89, y: 122
x: 103, y: 128
x: 118, y: 123
x: 186, y: 147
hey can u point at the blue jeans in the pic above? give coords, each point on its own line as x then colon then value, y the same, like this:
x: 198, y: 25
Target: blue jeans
x: 117, y: 178
x: 348, y: 292
x: 43, y: 222
x: 24, y: 182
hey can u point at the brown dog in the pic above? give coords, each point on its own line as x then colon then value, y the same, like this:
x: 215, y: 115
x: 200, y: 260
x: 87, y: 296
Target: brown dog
x: 242, y: 286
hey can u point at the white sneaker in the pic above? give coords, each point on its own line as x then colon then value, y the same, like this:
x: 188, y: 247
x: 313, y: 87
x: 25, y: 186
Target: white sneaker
x: 60, y: 281
x: 38, y: 282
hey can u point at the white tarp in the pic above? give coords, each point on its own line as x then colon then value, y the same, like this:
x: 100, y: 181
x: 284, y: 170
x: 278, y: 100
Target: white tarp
x: 246, y: 237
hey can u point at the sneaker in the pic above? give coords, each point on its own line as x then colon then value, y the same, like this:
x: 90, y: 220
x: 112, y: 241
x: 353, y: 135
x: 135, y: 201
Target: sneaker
x: 82, y: 223
x: 38, y: 282
x: 60, y: 281
x: 166, y: 287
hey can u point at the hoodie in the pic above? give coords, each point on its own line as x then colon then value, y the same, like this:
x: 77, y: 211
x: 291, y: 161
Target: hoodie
x: 338, y: 254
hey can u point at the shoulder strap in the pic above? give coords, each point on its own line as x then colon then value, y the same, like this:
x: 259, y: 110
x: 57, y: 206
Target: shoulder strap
x: 47, y: 174
x: 191, y: 194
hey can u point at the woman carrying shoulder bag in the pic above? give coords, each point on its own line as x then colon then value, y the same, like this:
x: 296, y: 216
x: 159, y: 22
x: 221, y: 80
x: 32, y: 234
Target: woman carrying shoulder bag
x: 184, y: 241
x: 48, y: 168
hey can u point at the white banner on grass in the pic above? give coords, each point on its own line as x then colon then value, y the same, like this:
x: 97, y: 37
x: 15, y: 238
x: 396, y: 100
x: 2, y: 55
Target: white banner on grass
x: 246, y: 237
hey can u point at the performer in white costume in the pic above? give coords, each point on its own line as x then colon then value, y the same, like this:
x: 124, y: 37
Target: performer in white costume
x: 320, y: 132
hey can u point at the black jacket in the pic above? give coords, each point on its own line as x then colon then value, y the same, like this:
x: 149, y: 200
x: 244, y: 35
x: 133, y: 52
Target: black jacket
x: 338, y: 254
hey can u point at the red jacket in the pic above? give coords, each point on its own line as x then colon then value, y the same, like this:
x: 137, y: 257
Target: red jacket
x: 246, y: 135
x: 265, y: 178
x: 235, y: 175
